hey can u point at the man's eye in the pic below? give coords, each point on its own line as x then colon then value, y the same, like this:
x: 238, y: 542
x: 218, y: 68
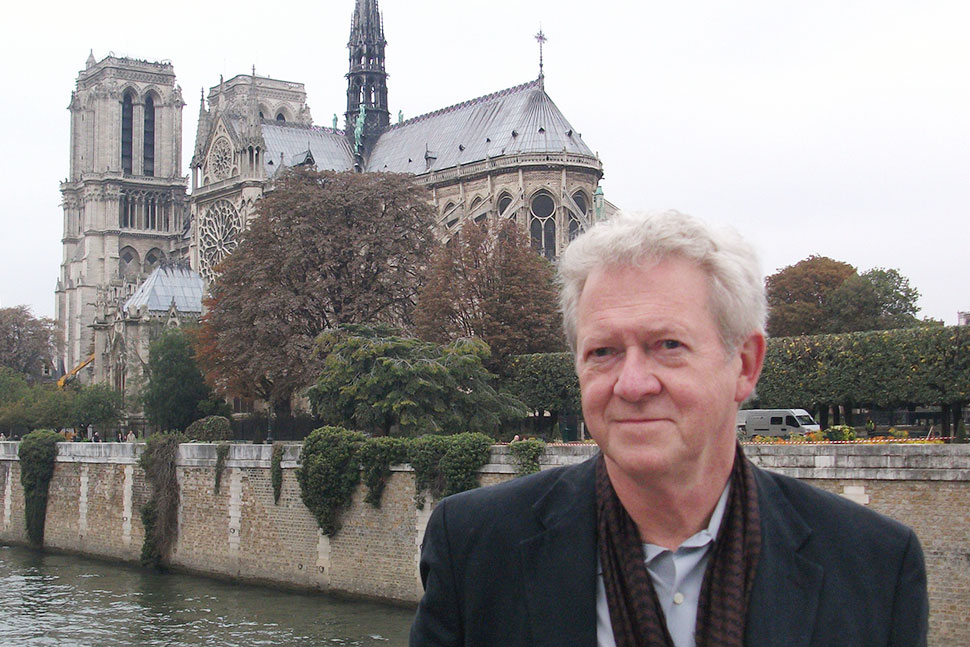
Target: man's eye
x: 602, y: 352
x: 671, y: 344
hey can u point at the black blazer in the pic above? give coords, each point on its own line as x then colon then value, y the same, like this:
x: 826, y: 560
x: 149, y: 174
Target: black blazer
x: 515, y: 564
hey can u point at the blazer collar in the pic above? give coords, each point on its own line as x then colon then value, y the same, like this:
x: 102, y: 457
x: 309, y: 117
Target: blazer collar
x: 787, y: 587
x: 559, y: 563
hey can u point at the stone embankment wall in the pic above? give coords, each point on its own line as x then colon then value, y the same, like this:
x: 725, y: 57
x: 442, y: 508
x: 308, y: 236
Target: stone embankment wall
x: 239, y: 532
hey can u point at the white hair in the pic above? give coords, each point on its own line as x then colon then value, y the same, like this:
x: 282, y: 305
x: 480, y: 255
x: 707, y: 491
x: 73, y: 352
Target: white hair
x: 737, y: 294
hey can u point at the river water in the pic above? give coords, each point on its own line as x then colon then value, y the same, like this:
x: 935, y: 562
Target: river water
x: 70, y: 601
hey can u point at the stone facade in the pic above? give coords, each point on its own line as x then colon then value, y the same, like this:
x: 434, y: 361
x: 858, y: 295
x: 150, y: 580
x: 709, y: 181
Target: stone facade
x: 124, y: 200
x: 240, y: 533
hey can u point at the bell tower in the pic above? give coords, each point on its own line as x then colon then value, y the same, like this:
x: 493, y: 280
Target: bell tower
x: 367, y: 114
x: 124, y: 200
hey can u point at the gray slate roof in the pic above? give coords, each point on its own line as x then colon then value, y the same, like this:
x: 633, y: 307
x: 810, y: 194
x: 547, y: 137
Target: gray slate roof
x: 329, y: 147
x: 522, y: 119
x: 168, y: 282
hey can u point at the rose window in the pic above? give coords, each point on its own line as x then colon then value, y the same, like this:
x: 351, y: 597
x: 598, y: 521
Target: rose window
x: 218, y: 236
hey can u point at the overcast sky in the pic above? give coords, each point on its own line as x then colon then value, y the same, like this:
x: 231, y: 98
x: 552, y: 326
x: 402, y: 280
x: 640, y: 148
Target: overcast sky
x: 839, y: 128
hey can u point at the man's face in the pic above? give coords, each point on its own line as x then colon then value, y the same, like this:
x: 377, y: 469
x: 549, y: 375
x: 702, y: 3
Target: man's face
x: 660, y: 392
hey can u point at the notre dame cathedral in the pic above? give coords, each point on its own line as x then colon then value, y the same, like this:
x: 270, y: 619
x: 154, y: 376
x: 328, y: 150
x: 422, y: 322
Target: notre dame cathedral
x: 138, y: 249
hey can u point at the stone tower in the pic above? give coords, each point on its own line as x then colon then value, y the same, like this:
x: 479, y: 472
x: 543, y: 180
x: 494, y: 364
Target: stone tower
x: 366, y: 81
x: 124, y: 200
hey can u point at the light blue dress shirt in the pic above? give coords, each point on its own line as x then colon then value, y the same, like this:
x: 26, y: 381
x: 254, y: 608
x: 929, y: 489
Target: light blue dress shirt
x: 677, y: 578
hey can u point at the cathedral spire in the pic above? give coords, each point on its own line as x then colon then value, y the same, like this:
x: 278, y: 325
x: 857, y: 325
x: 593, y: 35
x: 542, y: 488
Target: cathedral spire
x: 367, y: 113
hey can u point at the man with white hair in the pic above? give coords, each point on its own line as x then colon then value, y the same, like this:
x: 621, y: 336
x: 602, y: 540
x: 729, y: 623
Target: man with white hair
x: 669, y: 537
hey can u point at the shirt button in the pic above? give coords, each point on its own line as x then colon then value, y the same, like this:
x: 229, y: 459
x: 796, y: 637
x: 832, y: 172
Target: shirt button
x: 678, y: 598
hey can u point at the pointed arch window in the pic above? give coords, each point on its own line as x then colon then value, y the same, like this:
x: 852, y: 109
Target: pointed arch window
x: 542, y: 226
x: 127, y: 121
x: 575, y: 225
x: 149, y: 147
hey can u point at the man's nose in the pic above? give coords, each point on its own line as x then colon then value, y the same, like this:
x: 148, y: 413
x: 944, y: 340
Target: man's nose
x: 637, y: 378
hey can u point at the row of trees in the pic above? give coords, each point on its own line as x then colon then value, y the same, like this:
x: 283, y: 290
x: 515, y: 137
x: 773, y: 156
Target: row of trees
x: 26, y: 406
x: 928, y: 365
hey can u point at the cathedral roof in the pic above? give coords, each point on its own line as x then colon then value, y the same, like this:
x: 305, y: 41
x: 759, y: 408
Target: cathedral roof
x: 522, y: 119
x: 288, y: 144
x: 169, y: 282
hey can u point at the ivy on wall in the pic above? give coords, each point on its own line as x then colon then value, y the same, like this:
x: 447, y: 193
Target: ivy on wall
x: 37, y: 452
x: 526, y: 454
x: 159, y: 515
x: 276, y: 471
x: 334, y: 458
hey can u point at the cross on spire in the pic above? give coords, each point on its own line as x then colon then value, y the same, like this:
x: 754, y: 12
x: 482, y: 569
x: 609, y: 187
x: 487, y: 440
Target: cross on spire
x: 540, y: 38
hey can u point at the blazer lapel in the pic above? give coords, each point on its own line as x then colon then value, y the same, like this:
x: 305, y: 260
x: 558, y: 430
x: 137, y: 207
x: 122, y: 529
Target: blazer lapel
x: 784, y: 600
x: 559, y: 563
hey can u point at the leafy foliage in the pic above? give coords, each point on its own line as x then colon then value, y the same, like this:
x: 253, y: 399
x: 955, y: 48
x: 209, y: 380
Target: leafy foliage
x: 375, y: 380
x: 37, y: 453
x: 329, y: 473
x: 26, y: 343
x: 276, y: 471
x: 545, y: 382
x: 210, y: 429
x: 840, y: 432
x: 160, y: 512
x: 97, y: 404
x: 376, y: 457
x: 325, y: 249
x: 176, y: 388
x: 333, y: 459
x: 486, y: 283
x: 927, y: 365
x: 527, y: 453
x: 822, y: 295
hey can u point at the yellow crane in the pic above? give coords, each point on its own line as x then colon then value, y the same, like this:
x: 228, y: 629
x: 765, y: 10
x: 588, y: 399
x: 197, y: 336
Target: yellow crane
x: 74, y: 371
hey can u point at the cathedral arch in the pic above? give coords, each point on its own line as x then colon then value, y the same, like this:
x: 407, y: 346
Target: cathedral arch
x: 153, y: 259
x: 129, y: 263
x: 542, y: 223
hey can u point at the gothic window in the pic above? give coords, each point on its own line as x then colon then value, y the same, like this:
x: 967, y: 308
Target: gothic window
x: 219, y: 231
x: 124, y: 211
x: 575, y: 225
x: 152, y: 259
x: 149, y: 149
x: 542, y: 227
x: 128, y: 263
x: 127, y: 119
x: 504, y: 202
x: 280, y: 117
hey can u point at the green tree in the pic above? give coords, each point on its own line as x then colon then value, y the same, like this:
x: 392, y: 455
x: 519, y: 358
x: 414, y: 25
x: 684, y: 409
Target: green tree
x: 26, y: 343
x: 325, y: 249
x: 897, y: 299
x: 489, y: 283
x: 97, y: 404
x: 798, y: 295
x: 176, y: 389
x: 545, y: 382
x: 375, y: 380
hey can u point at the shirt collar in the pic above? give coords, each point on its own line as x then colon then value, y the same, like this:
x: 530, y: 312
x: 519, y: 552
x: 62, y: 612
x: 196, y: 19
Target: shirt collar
x: 703, y: 537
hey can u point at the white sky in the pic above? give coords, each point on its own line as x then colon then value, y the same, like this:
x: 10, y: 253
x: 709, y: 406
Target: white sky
x: 834, y: 127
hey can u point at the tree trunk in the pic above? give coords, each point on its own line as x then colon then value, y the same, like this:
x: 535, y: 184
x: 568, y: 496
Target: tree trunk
x: 848, y: 413
x: 945, y: 420
x: 836, y: 415
x: 823, y: 416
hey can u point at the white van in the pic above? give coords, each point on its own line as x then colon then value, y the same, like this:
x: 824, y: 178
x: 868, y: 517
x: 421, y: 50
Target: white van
x: 775, y: 422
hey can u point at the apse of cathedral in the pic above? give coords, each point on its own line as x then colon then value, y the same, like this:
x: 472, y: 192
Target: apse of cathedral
x: 510, y: 154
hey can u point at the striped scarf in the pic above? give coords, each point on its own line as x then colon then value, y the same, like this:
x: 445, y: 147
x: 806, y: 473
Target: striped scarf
x: 635, y: 611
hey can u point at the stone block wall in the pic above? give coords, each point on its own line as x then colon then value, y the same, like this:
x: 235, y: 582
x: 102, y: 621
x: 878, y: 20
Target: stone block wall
x: 240, y: 533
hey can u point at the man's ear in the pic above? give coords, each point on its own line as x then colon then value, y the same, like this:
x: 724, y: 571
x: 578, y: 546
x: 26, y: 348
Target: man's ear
x: 752, y: 354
